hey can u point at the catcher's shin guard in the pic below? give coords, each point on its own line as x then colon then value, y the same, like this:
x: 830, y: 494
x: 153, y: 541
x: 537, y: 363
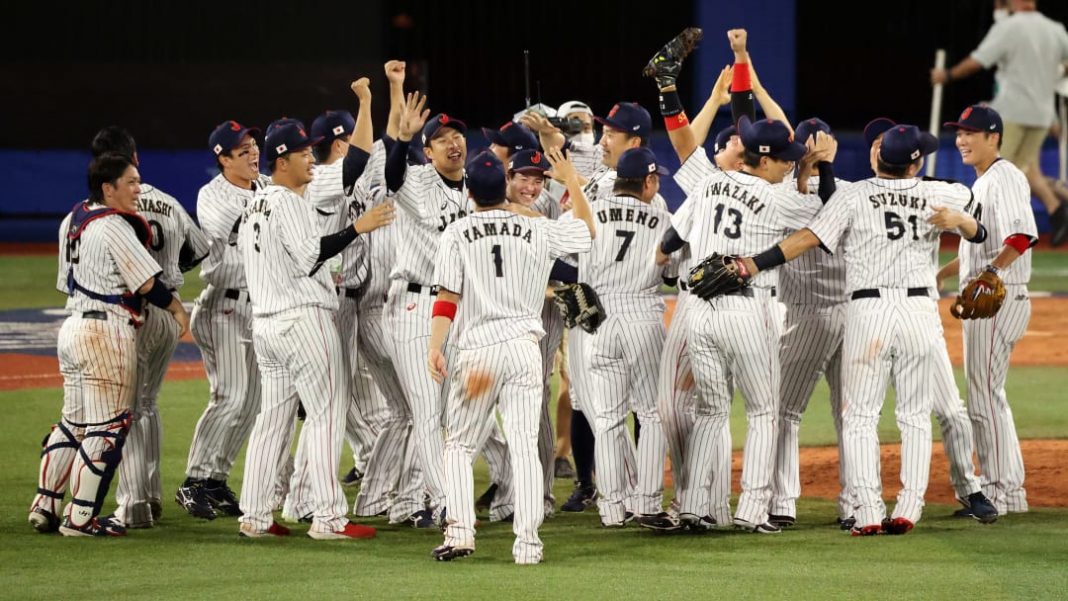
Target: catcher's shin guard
x: 98, y: 458
x: 58, y: 450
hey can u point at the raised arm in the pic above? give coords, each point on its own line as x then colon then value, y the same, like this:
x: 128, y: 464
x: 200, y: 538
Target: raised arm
x: 719, y: 97
x: 395, y: 72
x: 565, y: 171
x: 412, y: 119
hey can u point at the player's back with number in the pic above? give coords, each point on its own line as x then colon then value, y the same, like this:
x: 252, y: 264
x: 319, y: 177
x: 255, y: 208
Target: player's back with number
x: 503, y: 260
x: 171, y: 227
x: 890, y: 243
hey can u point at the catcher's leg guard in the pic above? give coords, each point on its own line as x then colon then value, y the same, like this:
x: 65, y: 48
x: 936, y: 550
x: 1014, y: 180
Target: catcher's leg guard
x: 98, y: 458
x: 58, y: 450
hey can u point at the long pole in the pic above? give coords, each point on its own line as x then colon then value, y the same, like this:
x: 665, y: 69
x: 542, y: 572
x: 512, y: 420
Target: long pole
x: 936, y: 110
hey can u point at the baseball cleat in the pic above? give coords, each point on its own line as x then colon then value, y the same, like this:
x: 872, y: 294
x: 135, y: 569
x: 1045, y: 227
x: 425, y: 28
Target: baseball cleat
x: 979, y: 507
x: 44, y: 521
x: 696, y: 523
x: 581, y: 498
x: 666, y: 64
x: 350, y: 531
x: 782, y: 521
x: 249, y: 531
x: 562, y: 469
x: 662, y: 522
x: 847, y: 524
x: 765, y: 528
x: 155, y: 506
x: 866, y: 530
x: 99, y: 526
x: 352, y: 478
x: 483, y: 503
x: 423, y: 518
x: 448, y: 553
x: 897, y: 525
x: 193, y: 499
x: 223, y: 500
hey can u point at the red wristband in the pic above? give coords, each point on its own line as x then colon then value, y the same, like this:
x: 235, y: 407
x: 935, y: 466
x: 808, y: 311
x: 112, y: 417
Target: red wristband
x: 444, y: 308
x: 740, y: 81
x: 676, y: 122
x: 1020, y: 242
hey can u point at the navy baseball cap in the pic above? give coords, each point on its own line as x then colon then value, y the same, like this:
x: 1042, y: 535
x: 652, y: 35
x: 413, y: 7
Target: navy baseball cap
x: 485, y: 179
x: 439, y: 121
x: 332, y: 125
x: 875, y: 128
x: 978, y: 117
x: 228, y: 135
x: 770, y: 138
x: 273, y: 125
x: 808, y: 128
x: 529, y: 161
x: 903, y: 144
x: 287, y: 138
x: 629, y: 117
x: 513, y: 136
x: 723, y: 137
x: 637, y: 163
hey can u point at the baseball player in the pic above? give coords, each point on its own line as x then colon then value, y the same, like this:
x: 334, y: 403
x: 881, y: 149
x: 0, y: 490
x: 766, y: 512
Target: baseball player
x: 623, y: 355
x: 221, y: 326
x: 509, y: 139
x: 1002, y: 192
x: 888, y: 228
x: 950, y: 411
x: 429, y: 197
x: 177, y: 245
x: 736, y: 337
x: 107, y: 274
x: 491, y: 267
x: 297, y: 344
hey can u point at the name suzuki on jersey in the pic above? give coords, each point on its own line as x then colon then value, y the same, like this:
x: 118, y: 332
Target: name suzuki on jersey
x: 628, y: 215
x: 738, y: 193
x: 481, y: 230
x: 890, y: 199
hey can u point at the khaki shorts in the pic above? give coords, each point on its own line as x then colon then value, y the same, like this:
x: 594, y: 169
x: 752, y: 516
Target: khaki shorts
x: 1020, y: 144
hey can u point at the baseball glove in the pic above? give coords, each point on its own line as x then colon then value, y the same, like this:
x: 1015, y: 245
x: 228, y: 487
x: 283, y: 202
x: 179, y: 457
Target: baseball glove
x: 717, y: 275
x: 981, y: 298
x: 579, y: 305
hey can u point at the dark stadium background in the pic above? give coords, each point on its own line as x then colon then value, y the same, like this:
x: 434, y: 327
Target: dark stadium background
x: 170, y: 71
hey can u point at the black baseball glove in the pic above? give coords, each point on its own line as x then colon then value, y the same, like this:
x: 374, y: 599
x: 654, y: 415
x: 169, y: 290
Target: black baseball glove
x: 579, y: 305
x: 717, y: 275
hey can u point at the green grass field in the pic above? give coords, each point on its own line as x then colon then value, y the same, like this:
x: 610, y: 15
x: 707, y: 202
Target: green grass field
x: 1019, y: 557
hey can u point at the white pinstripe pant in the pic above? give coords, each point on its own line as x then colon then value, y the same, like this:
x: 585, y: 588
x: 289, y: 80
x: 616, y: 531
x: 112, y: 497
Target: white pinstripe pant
x: 300, y: 357
x: 409, y: 317
x: 222, y: 329
x: 140, y: 478
x: 514, y: 370
x: 676, y: 390
x: 98, y: 360
x: 549, y: 344
x: 891, y: 336
x: 623, y: 368
x: 734, y: 337
x: 393, y: 480
x: 988, y: 344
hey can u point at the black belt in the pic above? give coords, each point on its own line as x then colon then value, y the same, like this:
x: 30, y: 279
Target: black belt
x: 418, y: 289
x: 874, y: 293
x: 683, y: 285
x: 101, y: 315
x: 234, y: 294
x: 747, y: 292
x: 350, y: 292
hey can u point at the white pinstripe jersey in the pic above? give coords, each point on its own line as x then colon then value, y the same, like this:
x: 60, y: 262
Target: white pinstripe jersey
x: 220, y: 205
x: 694, y: 170
x: 499, y: 262
x: 279, y: 244
x: 107, y: 259
x: 881, y: 226
x: 171, y: 228
x: 426, y: 206
x: 589, y: 162
x: 816, y: 278
x: 1003, y: 199
x: 621, y: 265
x: 735, y: 213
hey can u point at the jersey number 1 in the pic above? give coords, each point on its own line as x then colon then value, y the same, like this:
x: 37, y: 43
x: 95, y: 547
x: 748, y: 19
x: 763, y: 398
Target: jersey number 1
x: 498, y: 261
